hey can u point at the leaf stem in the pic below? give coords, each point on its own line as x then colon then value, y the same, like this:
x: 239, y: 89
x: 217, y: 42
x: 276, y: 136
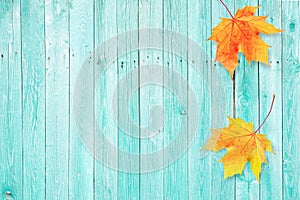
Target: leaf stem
x: 267, y: 115
x: 233, y: 96
x: 227, y: 9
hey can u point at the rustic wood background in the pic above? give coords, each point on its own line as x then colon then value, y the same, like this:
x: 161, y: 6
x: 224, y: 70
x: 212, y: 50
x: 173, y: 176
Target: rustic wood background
x: 43, y: 46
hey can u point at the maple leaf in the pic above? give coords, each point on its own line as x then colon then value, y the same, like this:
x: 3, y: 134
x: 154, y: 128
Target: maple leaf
x: 241, y: 34
x: 243, y: 145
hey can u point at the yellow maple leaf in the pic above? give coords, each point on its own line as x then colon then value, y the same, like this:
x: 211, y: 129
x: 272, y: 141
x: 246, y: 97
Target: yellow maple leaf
x: 243, y: 145
x: 241, y: 34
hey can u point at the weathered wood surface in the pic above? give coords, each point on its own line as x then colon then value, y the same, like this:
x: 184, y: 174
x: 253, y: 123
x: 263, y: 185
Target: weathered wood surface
x: 43, y: 47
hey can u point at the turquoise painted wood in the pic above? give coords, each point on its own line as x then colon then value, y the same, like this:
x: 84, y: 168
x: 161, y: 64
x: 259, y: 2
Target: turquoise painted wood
x: 199, y: 165
x: 127, y: 19
x: 151, y: 15
x: 81, y: 163
x: 43, y: 46
x: 247, y: 102
x: 175, y: 175
x: 106, y: 179
x: 33, y: 64
x: 269, y: 84
x: 57, y: 99
x: 220, y: 188
x: 290, y: 97
x: 11, y: 102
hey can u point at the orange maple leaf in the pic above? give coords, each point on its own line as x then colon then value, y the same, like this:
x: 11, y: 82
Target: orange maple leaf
x: 241, y: 34
x: 243, y: 145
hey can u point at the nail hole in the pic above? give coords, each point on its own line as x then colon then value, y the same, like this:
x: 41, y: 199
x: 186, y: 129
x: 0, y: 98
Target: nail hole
x: 2, y: 56
x: 183, y: 112
x: 277, y: 62
x: 292, y: 26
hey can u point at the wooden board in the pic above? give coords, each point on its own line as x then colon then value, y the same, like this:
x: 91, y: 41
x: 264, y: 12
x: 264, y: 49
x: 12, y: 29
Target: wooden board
x: 57, y: 99
x: 247, y: 102
x: 290, y: 99
x: 270, y: 83
x: 11, y: 102
x: 33, y: 99
x: 81, y: 161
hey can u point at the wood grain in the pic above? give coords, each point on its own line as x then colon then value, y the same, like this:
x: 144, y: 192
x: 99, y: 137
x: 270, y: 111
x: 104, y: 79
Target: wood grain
x: 247, y: 102
x: 270, y: 83
x: 11, y: 102
x: 106, y: 179
x: 33, y: 98
x: 220, y: 188
x: 127, y: 19
x: 290, y: 99
x: 43, y: 46
x: 151, y: 16
x: 175, y: 174
x: 199, y: 162
x: 81, y: 162
x: 57, y: 99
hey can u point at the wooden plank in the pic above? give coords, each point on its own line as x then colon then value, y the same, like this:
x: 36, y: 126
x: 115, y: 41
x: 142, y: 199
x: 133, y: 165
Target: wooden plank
x: 175, y: 174
x: 199, y: 166
x: 4, y: 50
x: 6, y: 9
x: 151, y: 16
x: 224, y: 189
x: 106, y: 179
x: 247, y: 101
x: 57, y: 99
x: 290, y: 99
x: 11, y: 104
x: 127, y: 19
x: 81, y: 162
x: 33, y: 97
x: 269, y: 84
